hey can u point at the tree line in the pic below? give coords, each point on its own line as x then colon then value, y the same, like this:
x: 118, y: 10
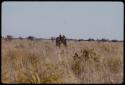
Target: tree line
x: 10, y: 37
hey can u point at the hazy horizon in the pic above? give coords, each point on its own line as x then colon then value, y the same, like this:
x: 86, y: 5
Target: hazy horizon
x: 76, y: 20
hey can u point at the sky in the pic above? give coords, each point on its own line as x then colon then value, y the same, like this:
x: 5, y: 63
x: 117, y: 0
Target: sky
x: 78, y: 20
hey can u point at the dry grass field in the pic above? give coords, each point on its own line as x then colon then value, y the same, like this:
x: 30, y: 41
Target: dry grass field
x: 40, y: 61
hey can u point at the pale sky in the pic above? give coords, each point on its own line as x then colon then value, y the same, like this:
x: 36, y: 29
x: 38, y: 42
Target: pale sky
x: 73, y: 19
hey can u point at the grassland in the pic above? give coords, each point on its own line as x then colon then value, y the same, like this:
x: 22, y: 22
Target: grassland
x: 40, y: 61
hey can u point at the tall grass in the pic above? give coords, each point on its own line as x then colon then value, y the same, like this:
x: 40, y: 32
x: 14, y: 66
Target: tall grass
x: 25, y: 61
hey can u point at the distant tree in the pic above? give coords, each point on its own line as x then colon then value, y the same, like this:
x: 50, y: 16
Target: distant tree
x: 61, y: 39
x: 104, y: 40
x: 9, y: 37
x: 30, y: 38
x: 114, y: 40
x: 90, y: 39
